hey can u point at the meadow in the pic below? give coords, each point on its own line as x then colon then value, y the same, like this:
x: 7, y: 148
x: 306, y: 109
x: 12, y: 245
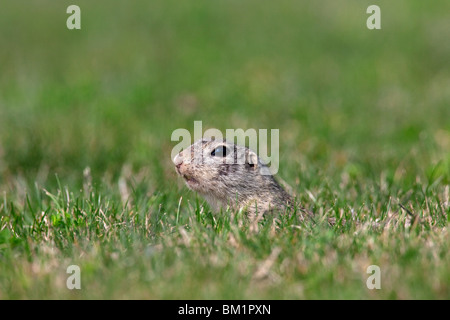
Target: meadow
x: 86, y: 176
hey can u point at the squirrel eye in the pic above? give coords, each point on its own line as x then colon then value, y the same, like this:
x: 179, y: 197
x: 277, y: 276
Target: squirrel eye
x: 219, y: 151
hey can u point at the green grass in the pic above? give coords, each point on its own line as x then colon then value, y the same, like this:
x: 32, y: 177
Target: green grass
x: 364, y: 119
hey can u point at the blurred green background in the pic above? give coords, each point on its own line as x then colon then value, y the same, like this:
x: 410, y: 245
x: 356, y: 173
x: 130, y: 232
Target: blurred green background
x: 364, y: 115
x: 112, y: 92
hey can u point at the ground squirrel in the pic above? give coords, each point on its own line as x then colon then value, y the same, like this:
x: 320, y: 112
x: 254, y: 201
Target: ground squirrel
x: 226, y: 174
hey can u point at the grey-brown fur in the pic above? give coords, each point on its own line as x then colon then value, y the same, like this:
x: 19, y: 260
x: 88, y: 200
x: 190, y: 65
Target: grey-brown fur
x: 239, y: 180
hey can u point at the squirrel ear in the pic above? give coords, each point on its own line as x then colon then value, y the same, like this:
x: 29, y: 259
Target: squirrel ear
x: 251, y: 159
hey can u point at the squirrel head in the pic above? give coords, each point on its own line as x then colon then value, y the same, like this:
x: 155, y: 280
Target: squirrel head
x: 219, y: 167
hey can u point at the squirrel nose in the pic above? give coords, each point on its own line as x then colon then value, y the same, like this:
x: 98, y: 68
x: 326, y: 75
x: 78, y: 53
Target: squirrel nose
x: 178, y: 160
